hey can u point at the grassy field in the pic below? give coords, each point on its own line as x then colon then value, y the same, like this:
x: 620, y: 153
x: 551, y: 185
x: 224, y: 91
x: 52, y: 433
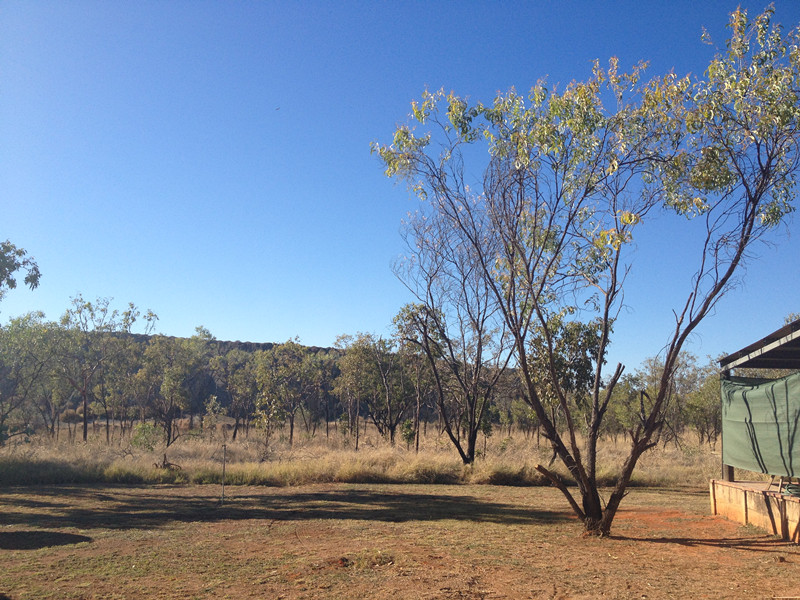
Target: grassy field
x: 374, y: 541
x: 503, y: 460
x: 319, y: 520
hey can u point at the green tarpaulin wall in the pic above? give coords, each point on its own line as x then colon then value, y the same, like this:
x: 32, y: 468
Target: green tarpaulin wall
x: 760, y: 424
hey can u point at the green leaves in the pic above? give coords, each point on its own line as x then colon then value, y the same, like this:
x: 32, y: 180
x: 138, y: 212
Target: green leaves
x: 743, y: 122
x: 563, y: 355
x: 712, y: 171
x: 12, y: 260
x: 399, y: 155
x: 461, y: 117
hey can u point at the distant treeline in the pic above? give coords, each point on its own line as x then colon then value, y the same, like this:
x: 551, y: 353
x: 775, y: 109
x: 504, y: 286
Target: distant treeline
x: 91, y: 369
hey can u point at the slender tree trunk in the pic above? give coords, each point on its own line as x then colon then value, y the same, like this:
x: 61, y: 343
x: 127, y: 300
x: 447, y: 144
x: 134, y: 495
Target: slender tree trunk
x: 416, y: 426
x: 85, y: 417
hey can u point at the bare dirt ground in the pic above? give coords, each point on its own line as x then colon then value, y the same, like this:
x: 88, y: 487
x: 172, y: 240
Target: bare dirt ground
x: 375, y: 541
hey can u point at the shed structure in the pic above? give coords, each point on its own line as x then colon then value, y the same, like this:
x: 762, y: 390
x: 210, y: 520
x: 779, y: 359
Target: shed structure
x: 761, y: 433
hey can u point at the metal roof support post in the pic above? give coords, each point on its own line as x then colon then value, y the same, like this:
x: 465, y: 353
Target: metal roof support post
x: 727, y: 470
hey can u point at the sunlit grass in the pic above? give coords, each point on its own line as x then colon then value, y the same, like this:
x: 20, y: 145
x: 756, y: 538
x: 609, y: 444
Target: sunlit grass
x: 502, y: 460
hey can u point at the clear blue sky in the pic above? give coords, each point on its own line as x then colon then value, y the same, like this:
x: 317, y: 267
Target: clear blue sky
x: 210, y: 160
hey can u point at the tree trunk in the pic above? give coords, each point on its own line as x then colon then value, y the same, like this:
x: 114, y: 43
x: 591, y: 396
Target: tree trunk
x: 593, y: 521
x: 85, y: 418
x: 416, y: 426
x: 327, y: 416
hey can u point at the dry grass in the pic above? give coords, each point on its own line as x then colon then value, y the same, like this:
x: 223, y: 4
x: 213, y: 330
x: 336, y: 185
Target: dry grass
x: 381, y: 541
x: 320, y: 520
x: 502, y: 461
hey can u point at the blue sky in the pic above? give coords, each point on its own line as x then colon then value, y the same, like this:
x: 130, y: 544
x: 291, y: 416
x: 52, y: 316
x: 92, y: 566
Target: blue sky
x: 210, y: 160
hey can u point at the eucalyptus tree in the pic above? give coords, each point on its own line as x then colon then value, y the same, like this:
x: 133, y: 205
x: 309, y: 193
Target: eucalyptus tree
x: 25, y: 361
x: 235, y: 373
x: 636, y: 392
x: 53, y: 398
x: 703, y: 406
x: 466, y: 347
x: 372, y: 376
x: 563, y: 353
x: 570, y: 176
x: 415, y: 364
x: 169, y: 369
x: 390, y: 396
x: 352, y: 386
x: 90, y: 340
x: 200, y: 380
x: 269, y: 407
x: 524, y: 418
x: 13, y: 260
x: 318, y: 368
x: 116, y: 390
x: 323, y: 370
x: 283, y: 382
x: 14, y: 391
x: 687, y: 378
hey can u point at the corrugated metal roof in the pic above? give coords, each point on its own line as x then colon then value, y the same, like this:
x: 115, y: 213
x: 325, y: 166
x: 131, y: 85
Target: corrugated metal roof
x: 778, y: 350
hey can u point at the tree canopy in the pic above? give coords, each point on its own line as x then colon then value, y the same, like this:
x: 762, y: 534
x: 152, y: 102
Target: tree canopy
x: 13, y: 260
x: 545, y: 217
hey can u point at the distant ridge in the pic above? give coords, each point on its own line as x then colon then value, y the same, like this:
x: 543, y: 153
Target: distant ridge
x: 225, y: 346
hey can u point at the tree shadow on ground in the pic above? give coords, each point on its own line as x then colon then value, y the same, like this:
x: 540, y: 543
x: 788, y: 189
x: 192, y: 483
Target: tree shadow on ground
x: 142, y: 508
x: 762, y: 543
x: 34, y: 540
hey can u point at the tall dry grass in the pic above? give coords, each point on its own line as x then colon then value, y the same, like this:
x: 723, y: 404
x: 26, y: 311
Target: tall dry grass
x: 503, y: 460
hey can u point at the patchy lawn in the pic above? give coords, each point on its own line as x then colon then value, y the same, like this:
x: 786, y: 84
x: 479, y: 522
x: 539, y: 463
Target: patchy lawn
x: 375, y: 541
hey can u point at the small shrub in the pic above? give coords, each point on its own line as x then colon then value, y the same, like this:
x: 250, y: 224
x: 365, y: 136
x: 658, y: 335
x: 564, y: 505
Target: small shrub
x: 117, y: 473
x: 166, y: 476
x: 145, y: 436
x: 505, y: 474
x: 407, y: 432
x: 208, y: 475
x: 422, y: 470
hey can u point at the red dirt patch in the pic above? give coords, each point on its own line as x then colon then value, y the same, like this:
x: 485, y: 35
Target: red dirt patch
x: 393, y: 542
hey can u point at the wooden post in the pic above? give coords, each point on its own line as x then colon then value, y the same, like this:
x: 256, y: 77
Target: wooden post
x: 224, y: 448
x: 713, y: 490
x: 727, y: 473
x: 727, y: 470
